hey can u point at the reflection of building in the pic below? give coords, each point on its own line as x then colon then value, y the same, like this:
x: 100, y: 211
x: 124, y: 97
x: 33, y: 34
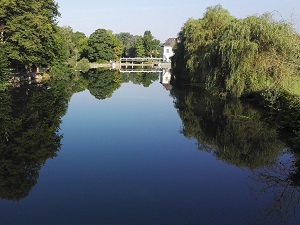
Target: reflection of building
x: 167, y: 49
x: 165, y: 76
x: 165, y: 79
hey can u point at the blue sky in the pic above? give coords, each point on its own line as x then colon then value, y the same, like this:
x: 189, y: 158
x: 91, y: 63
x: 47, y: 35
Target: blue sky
x: 163, y: 18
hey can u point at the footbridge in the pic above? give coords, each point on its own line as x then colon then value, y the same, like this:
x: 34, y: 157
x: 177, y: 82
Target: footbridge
x: 143, y: 62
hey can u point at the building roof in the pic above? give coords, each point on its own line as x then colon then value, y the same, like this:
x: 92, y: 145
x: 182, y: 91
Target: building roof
x: 170, y: 42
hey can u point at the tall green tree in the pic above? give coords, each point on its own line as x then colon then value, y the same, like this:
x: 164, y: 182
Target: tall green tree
x: 151, y: 45
x: 140, y: 48
x: 29, y: 30
x: 129, y: 41
x: 104, y: 46
x: 81, y: 43
x: 68, y: 46
x: 73, y: 46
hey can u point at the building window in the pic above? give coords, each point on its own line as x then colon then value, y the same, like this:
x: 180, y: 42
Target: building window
x: 167, y: 50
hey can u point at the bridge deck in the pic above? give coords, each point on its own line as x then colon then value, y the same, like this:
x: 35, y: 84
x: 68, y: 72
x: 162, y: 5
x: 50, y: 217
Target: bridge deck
x: 124, y: 60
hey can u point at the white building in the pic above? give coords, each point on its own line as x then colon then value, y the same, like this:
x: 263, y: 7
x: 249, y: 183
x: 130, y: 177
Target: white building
x: 167, y: 49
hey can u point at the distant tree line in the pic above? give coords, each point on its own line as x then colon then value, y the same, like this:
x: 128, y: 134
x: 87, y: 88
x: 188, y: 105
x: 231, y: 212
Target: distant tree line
x: 30, y: 39
x: 103, y: 45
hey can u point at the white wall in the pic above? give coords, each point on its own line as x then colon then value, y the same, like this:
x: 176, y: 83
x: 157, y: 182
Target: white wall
x: 167, y: 53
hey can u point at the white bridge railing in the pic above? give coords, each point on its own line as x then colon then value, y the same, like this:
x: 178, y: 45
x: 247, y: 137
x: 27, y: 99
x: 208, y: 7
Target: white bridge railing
x: 140, y: 60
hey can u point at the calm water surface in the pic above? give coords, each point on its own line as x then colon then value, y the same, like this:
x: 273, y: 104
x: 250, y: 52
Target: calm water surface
x: 135, y: 158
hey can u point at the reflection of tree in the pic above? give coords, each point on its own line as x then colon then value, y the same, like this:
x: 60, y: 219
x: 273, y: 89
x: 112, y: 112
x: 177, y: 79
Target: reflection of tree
x: 145, y: 79
x: 29, y: 122
x: 278, y: 181
x: 102, y: 82
x: 232, y: 130
x: 235, y: 133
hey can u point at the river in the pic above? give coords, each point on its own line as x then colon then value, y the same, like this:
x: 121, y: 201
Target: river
x: 137, y: 151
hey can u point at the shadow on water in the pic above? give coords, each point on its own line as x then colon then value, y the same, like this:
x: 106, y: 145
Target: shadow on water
x: 237, y: 133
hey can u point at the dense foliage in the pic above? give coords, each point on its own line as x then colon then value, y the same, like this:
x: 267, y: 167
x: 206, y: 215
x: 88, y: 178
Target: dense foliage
x: 284, y: 110
x: 29, y: 30
x: 151, y: 45
x: 74, y: 47
x: 3, y: 68
x: 140, y: 50
x: 237, y: 56
x: 104, y: 46
x: 129, y: 41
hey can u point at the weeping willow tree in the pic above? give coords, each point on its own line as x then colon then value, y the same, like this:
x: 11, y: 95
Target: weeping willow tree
x: 237, y: 56
x: 194, y: 42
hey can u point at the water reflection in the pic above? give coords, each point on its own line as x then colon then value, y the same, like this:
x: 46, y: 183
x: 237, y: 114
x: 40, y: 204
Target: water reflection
x: 29, y: 123
x: 30, y: 116
x: 102, y: 82
x: 140, y: 78
x: 236, y: 133
x: 232, y: 130
x: 165, y: 78
x: 277, y: 182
